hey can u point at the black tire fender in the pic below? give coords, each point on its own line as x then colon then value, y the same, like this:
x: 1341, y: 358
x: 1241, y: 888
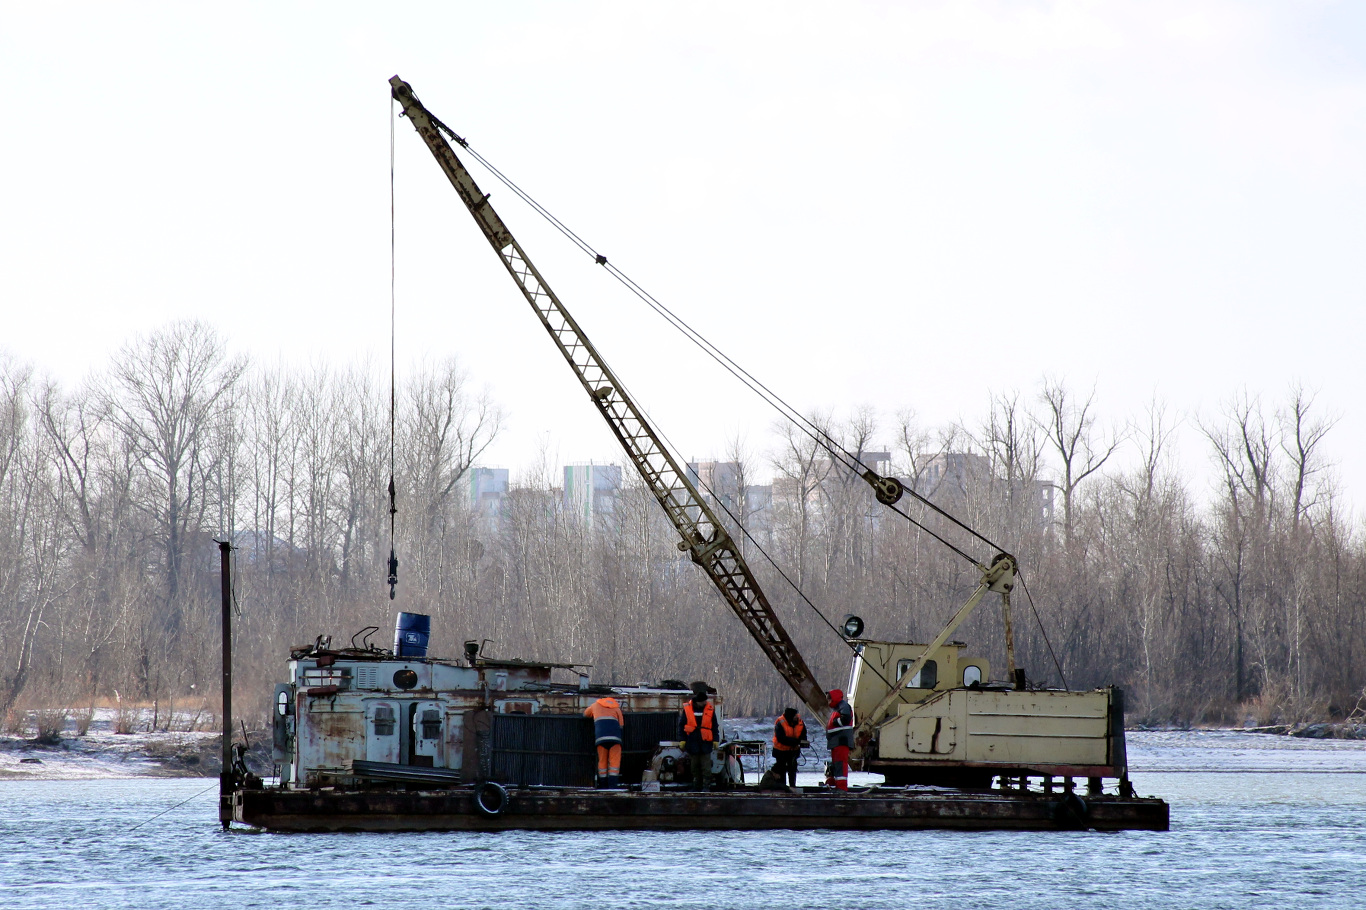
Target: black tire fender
x: 491, y: 799
x: 1071, y: 811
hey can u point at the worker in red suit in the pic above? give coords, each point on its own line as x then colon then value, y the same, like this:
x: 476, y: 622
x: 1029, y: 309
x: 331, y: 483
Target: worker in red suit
x: 608, y: 725
x: 839, y: 735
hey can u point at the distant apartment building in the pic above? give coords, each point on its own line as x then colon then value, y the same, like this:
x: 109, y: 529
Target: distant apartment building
x: 719, y: 482
x: 591, y: 490
x: 949, y: 478
x: 950, y: 475
x: 878, y: 461
x: 488, y: 491
x: 759, y: 510
x: 827, y: 479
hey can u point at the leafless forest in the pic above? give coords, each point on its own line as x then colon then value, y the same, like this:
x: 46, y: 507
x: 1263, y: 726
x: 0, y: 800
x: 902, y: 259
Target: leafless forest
x: 1248, y: 604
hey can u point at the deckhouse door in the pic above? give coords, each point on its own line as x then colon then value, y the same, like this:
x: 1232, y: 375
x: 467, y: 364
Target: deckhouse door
x: 382, y: 726
x: 428, y: 731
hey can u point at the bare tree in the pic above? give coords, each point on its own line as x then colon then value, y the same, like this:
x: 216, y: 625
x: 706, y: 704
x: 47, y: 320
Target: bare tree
x: 445, y: 429
x: 20, y: 612
x: 318, y: 430
x: 270, y: 447
x: 1070, y: 428
x: 170, y: 390
x: 14, y: 386
x: 363, y: 457
x: 917, y: 447
x: 1154, y: 439
x: 848, y: 507
x: 1010, y: 438
x: 73, y: 425
x: 801, y: 468
x: 1251, y: 604
x: 743, y: 508
x: 1245, y: 447
x: 1302, y: 435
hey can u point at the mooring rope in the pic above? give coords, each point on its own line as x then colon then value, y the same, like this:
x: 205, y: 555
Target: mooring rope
x: 175, y: 807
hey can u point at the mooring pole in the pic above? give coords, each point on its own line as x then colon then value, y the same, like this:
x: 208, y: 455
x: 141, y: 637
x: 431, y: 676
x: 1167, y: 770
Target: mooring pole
x: 225, y: 779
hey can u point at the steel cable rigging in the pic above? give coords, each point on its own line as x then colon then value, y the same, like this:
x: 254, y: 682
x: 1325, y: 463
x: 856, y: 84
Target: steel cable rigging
x: 888, y: 489
x: 850, y: 460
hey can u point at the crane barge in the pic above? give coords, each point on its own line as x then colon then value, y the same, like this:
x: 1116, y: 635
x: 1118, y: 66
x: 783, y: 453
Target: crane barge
x: 378, y: 740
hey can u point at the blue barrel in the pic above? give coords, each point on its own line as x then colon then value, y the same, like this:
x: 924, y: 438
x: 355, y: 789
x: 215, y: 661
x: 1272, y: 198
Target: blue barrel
x: 411, y: 633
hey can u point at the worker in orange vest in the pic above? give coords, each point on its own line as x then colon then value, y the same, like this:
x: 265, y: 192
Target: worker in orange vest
x: 699, y: 730
x: 608, y: 725
x: 789, y: 735
x: 839, y: 735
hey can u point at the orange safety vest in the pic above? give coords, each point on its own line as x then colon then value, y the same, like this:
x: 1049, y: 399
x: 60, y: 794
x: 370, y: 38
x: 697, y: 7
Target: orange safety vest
x: 690, y: 724
x: 791, y: 732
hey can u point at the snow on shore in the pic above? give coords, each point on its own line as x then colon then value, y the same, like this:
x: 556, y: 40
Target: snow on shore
x: 102, y: 753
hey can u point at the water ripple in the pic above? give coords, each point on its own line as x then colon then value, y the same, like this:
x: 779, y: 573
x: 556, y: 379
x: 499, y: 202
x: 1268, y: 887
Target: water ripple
x: 1256, y: 829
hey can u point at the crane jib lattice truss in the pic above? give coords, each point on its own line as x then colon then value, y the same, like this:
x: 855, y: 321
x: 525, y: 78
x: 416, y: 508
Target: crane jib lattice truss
x: 704, y: 537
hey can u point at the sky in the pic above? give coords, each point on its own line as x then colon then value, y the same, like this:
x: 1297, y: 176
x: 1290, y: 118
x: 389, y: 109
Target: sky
x: 868, y: 205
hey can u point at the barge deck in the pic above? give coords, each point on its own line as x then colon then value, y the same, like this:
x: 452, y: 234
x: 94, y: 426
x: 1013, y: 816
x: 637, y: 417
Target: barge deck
x: 569, y: 809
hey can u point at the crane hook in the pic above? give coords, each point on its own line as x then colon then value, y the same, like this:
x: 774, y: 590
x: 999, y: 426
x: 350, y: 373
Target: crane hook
x: 393, y: 557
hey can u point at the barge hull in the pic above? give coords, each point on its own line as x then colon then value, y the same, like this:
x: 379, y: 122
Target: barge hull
x: 579, y: 810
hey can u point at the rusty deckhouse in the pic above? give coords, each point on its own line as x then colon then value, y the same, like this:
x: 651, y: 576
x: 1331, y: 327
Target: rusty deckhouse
x: 355, y: 717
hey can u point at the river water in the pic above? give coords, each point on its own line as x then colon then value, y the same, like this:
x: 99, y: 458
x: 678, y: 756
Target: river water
x: 1257, y: 821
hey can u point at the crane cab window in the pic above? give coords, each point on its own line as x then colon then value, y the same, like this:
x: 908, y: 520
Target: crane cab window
x: 927, y: 678
x: 972, y: 674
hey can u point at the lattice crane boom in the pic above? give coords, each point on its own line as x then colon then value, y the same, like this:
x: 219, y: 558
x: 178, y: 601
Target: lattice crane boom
x: 704, y: 537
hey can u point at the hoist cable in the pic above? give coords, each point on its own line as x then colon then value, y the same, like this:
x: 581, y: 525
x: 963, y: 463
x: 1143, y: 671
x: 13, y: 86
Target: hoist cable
x: 667, y: 444
x: 1042, y: 630
x: 679, y: 324
x: 787, y: 578
x: 393, y: 395
x: 822, y: 438
x: 672, y: 450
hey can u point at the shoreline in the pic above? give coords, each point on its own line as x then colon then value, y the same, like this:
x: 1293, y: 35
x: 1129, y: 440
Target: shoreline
x: 101, y: 754
x: 111, y: 756
x: 1347, y: 730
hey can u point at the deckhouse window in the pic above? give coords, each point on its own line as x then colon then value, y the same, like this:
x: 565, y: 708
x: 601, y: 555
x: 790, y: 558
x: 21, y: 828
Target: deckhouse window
x: 384, y: 721
x: 431, y: 724
x: 926, y: 678
x: 972, y: 674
